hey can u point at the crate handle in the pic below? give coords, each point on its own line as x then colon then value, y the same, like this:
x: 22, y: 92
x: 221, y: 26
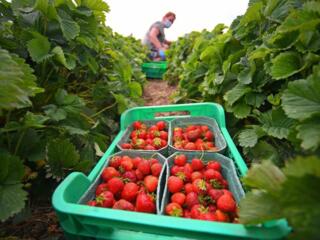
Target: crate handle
x: 172, y: 114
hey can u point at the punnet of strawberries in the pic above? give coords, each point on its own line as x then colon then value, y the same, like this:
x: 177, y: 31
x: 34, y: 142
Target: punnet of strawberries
x: 143, y: 137
x: 194, y: 137
x: 199, y: 191
x: 129, y: 184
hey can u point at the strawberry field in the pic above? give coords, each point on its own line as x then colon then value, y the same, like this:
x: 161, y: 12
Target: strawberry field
x: 66, y: 77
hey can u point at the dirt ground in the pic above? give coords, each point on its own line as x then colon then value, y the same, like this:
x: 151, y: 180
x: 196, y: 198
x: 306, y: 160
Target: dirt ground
x: 41, y: 222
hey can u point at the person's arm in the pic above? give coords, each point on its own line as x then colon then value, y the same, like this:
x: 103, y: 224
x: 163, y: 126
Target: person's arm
x: 153, y: 38
x: 167, y: 42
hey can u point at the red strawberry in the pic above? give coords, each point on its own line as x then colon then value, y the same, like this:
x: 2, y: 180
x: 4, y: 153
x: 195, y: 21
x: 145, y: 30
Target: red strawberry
x: 130, y: 176
x: 145, y: 203
x: 123, y: 205
x: 226, y: 203
x: 163, y: 135
x: 126, y: 146
x: 212, y: 208
x: 190, y: 128
x: 108, y: 173
x: 196, y: 211
x: 92, y: 203
x: 163, y: 143
x: 179, y: 198
x: 151, y: 183
x: 142, y: 134
x: 126, y: 163
x: 139, y: 143
x: 154, y: 134
x: 215, y: 194
x: 149, y: 147
x: 188, y: 188
x: 139, y: 174
x: 144, y: 167
x: 199, y: 186
x: 175, y: 184
x: 130, y: 191
x: 105, y: 199
x: 174, y: 209
x: 115, y: 161
x: 161, y: 125
x: 197, y: 164
x: 214, y: 165
x: 208, y: 216
x: 180, y: 160
x: 156, y: 169
x: 174, y: 170
x: 136, y: 161
x: 193, y: 135
x: 137, y: 125
x: 153, y: 128
x: 209, y: 174
x: 153, y: 161
x: 196, y: 175
x: 222, y: 217
x: 186, y: 213
x: 190, y: 146
x: 115, y: 185
x: 191, y: 199
x: 101, y: 188
x: 156, y: 142
x: 204, y: 128
x: 208, y: 136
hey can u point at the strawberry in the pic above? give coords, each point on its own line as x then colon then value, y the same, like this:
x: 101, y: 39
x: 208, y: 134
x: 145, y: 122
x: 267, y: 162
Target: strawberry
x: 179, y: 198
x: 193, y: 135
x: 190, y: 128
x: 212, y: 208
x: 188, y: 188
x: 144, y: 167
x: 139, y: 174
x: 215, y: 194
x: 226, y: 203
x: 126, y: 146
x: 115, y: 185
x: 156, y: 169
x: 190, y: 146
x: 174, y: 209
x: 130, y: 191
x: 221, y: 216
x: 157, y: 143
x: 163, y: 143
x: 108, y: 173
x: 196, y: 175
x: 154, y: 134
x: 137, y: 125
x: 123, y: 205
x: 136, y: 161
x: 153, y: 161
x: 149, y: 147
x: 197, y: 164
x: 115, y: 161
x: 161, y: 125
x: 105, y: 199
x: 129, y: 176
x: 164, y: 135
x: 204, y: 128
x: 209, y: 174
x: 175, y: 184
x: 139, y: 143
x: 214, y: 165
x: 196, y: 211
x: 92, y: 203
x: 151, y: 183
x: 142, y: 134
x: 186, y: 213
x: 145, y: 203
x: 153, y: 128
x: 180, y: 160
x: 174, y: 170
x: 191, y: 199
x: 101, y: 188
x: 126, y: 163
x: 199, y: 186
x: 208, y: 216
x: 208, y: 136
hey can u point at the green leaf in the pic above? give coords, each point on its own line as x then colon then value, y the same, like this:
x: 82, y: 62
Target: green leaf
x: 257, y: 207
x: 75, y: 131
x: 12, y: 169
x: 302, y: 98
x: 249, y: 137
x: 122, y: 102
x: 12, y: 200
x: 285, y: 65
x: 312, y: 6
x: 39, y: 48
x: 60, y: 57
x: 135, y: 89
x: 17, y: 82
x: 255, y: 99
x: 265, y: 176
x: 32, y: 120
x: 42, y: 5
x: 55, y: 113
x: 309, y: 133
x: 62, y: 156
x: 236, y: 93
x: 263, y: 151
x: 241, y: 109
x: 70, y: 28
x: 245, y: 76
x: 275, y: 123
x: 97, y: 5
x: 302, y: 166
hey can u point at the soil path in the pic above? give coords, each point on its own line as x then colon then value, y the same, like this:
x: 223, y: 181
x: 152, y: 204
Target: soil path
x: 157, y: 92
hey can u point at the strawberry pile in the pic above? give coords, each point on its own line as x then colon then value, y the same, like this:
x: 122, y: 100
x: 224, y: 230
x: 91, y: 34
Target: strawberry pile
x: 129, y: 184
x: 194, y: 137
x: 152, y: 138
x: 199, y: 191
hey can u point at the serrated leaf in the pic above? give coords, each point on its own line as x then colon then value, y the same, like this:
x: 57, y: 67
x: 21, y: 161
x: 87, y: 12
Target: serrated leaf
x: 301, y: 166
x: 263, y: 151
x: 257, y: 207
x: 55, y: 113
x: 285, y: 65
x: 70, y: 28
x: 62, y: 156
x: 12, y: 200
x: 42, y: 5
x: 122, y: 102
x: 60, y: 57
x: 302, y: 98
x: 12, y: 169
x: 16, y: 90
x: 265, y: 176
x: 32, y: 120
x: 249, y: 137
x: 75, y: 131
x: 98, y: 5
x: 39, y: 48
x: 135, y: 89
x: 236, y: 93
x: 275, y: 123
x: 312, y: 6
x: 255, y: 99
x: 241, y: 109
x: 309, y: 133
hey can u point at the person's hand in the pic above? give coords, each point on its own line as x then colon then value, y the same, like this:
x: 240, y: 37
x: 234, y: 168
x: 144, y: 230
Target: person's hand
x: 162, y: 54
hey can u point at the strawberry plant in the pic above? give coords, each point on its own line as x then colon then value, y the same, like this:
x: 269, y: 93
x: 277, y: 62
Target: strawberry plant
x: 65, y: 77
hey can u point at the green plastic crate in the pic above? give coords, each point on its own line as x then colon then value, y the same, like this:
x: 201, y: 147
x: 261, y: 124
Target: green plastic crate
x: 86, y: 222
x: 154, y: 69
